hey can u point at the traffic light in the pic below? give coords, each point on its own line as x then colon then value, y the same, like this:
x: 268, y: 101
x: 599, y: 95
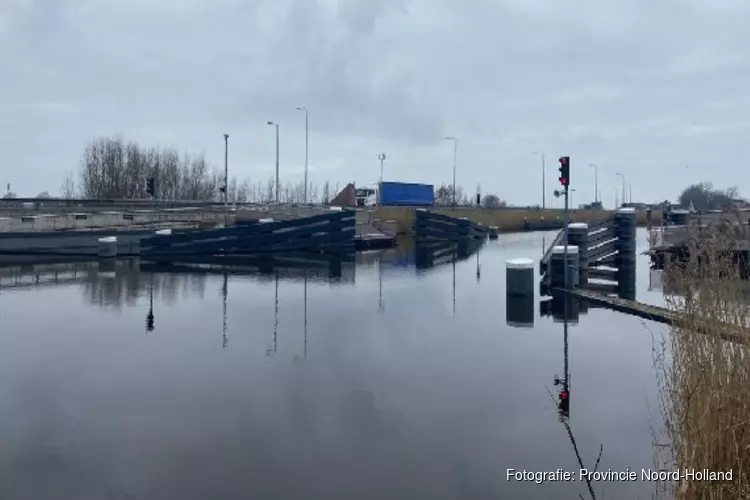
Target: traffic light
x: 479, y: 200
x: 150, y: 187
x: 565, y: 171
x: 564, y: 404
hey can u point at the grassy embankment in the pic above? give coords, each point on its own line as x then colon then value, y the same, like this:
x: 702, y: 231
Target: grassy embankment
x: 705, y: 380
x: 507, y: 220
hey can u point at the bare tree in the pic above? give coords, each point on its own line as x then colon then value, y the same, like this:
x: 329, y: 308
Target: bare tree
x: 243, y: 192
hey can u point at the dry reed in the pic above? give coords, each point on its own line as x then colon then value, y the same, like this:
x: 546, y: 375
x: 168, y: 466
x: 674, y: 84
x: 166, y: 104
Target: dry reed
x: 705, y: 380
x: 508, y: 220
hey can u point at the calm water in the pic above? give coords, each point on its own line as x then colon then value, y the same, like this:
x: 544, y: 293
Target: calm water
x: 389, y: 383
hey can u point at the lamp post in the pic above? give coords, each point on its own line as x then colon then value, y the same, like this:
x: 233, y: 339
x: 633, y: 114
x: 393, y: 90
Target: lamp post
x: 623, y: 187
x: 302, y: 108
x: 226, y: 179
x: 455, y: 159
x: 276, y: 125
x: 596, y: 181
x: 544, y: 189
x: 381, y: 157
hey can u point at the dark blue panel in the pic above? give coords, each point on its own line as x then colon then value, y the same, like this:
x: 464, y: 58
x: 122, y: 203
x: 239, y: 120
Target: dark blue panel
x: 407, y: 194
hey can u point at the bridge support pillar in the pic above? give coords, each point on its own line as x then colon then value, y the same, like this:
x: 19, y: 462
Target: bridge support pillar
x: 578, y: 236
x: 625, y: 226
x: 557, y: 268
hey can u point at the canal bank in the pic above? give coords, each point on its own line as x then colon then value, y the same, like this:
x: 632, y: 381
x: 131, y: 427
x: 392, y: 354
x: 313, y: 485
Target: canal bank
x: 507, y: 220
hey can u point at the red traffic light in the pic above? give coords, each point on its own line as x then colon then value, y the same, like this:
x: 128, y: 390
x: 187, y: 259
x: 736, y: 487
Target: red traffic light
x: 564, y: 394
x: 564, y: 160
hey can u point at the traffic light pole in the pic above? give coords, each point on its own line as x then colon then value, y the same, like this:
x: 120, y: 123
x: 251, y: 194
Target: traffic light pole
x: 565, y: 239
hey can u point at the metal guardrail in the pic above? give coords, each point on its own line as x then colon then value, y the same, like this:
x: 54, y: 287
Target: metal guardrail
x: 594, y: 226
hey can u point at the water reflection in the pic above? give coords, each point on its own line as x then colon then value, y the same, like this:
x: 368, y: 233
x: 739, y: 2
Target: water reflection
x: 105, y: 283
x: 398, y: 405
x: 519, y: 311
x: 564, y: 391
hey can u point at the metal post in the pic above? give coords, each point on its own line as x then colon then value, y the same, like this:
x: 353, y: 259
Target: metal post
x: 381, y: 157
x: 624, y: 197
x: 544, y: 188
x: 307, y: 135
x: 278, y: 186
x: 277, y: 163
x: 565, y: 240
x: 307, y: 142
x: 455, y: 160
x: 596, y: 181
x: 226, y: 179
x: 544, y: 179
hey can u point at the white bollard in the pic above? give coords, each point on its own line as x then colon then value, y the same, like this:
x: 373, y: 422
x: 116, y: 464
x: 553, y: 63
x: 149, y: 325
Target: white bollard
x: 519, y: 277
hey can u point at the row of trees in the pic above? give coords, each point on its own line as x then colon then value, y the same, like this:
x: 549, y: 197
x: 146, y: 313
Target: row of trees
x: 112, y: 168
x: 444, y: 197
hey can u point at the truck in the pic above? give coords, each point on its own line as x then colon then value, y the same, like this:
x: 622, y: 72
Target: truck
x: 367, y: 196
x: 405, y: 194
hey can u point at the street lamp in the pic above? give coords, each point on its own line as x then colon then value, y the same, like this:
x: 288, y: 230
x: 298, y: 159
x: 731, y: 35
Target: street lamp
x: 302, y: 108
x: 455, y: 159
x: 596, y: 181
x: 544, y: 189
x: 276, y: 125
x: 226, y: 179
x: 623, y: 187
x: 381, y: 157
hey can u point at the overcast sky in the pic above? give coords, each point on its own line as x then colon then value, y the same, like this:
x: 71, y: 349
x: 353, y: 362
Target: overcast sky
x: 641, y: 87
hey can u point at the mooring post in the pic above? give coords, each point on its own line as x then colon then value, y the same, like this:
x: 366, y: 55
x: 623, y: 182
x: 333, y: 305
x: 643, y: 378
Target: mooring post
x: 519, y: 293
x: 560, y: 277
x: 625, y: 226
x: 578, y: 235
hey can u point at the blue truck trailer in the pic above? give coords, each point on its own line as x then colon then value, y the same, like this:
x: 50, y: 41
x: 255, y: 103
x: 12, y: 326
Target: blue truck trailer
x: 405, y: 194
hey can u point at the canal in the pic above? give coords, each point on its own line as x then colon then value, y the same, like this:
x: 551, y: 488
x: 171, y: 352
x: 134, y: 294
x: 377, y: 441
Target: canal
x: 387, y: 382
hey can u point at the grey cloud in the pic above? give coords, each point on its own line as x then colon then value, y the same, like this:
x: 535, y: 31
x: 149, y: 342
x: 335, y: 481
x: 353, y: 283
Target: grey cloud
x: 627, y: 84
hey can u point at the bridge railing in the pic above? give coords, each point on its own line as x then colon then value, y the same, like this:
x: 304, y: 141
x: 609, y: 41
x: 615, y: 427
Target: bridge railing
x: 600, y: 230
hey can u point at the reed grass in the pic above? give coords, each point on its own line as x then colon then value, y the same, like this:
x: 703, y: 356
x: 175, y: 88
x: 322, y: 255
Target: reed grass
x: 508, y: 220
x: 704, y: 380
